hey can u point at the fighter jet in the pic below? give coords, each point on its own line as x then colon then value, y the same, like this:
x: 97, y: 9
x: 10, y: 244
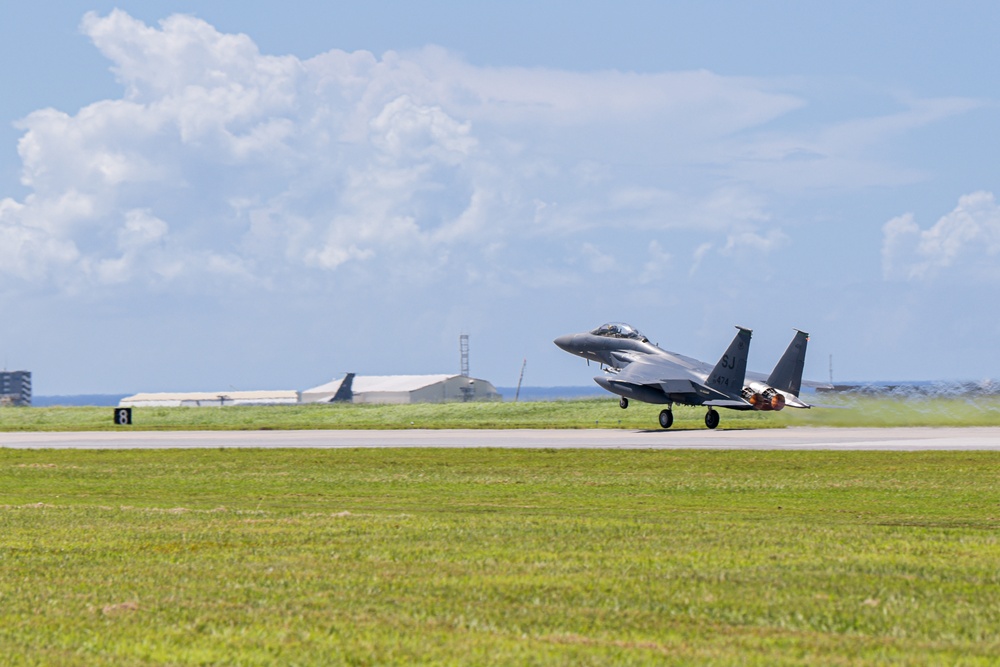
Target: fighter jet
x: 637, y: 369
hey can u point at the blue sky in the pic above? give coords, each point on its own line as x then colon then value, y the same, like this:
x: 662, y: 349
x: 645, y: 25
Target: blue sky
x: 200, y: 196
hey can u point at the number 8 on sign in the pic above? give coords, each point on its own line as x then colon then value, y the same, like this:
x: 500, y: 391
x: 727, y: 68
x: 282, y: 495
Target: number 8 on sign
x: 123, y: 416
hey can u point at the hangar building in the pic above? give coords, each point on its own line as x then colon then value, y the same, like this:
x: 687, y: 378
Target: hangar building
x: 206, y: 399
x: 402, y: 389
x: 349, y: 389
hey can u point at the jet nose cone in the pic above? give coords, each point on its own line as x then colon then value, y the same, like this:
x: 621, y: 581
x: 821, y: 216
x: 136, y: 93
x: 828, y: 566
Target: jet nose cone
x: 565, y: 342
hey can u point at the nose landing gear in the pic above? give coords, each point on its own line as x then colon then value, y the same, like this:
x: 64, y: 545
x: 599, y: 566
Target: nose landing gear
x: 623, y: 402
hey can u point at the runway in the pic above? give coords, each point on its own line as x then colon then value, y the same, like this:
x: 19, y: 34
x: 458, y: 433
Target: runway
x: 901, y: 439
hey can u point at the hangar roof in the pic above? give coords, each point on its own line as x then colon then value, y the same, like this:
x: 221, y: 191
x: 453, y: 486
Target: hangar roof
x: 215, y: 396
x: 364, y: 384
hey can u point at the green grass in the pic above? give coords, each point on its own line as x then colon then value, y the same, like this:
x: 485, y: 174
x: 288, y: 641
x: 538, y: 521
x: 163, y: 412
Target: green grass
x: 861, y: 411
x: 874, y: 411
x: 556, y: 414
x: 364, y: 557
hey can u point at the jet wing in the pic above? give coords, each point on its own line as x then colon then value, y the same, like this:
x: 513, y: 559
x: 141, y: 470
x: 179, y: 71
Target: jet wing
x: 657, y: 372
x: 673, y: 379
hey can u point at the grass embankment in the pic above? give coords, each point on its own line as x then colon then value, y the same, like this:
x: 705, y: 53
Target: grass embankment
x: 364, y: 557
x: 860, y: 411
x: 556, y: 414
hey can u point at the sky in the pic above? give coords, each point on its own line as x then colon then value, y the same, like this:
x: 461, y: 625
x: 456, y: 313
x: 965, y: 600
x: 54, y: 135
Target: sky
x: 263, y: 195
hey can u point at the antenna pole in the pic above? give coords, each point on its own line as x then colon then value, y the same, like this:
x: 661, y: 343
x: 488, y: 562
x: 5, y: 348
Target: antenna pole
x: 517, y: 393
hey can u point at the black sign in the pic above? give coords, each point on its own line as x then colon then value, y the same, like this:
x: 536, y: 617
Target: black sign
x: 123, y: 416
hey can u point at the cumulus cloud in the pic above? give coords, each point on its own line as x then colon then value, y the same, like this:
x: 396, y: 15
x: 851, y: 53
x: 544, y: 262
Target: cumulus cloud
x: 220, y: 162
x: 218, y: 158
x: 965, y: 242
x: 745, y: 242
x: 140, y: 232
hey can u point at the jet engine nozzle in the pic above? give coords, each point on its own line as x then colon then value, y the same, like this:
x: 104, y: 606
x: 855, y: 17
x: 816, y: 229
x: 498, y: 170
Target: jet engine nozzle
x: 774, y: 399
x: 763, y: 398
x: 752, y: 397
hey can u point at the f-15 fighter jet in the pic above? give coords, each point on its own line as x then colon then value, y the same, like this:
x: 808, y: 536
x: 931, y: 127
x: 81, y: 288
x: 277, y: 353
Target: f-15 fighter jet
x: 639, y: 370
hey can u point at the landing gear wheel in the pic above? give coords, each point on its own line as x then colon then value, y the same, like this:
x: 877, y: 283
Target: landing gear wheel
x: 711, y: 418
x: 666, y: 418
x: 623, y: 402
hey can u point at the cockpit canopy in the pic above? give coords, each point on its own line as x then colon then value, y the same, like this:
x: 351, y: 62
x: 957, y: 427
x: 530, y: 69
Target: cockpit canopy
x: 619, y: 330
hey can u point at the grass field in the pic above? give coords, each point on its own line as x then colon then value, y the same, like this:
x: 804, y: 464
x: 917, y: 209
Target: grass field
x: 365, y: 557
x: 861, y: 411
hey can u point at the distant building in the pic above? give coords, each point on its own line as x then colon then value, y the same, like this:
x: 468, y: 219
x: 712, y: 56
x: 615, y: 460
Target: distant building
x: 15, y: 388
x: 349, y: 389
x: 403, y: 389
x: 210, y: 399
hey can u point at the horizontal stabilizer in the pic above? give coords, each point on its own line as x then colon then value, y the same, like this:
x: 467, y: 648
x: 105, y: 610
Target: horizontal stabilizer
x: 795, y: 402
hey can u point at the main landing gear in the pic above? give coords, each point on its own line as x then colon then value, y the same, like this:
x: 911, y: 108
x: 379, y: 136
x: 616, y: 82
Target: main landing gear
x: 667, y: 418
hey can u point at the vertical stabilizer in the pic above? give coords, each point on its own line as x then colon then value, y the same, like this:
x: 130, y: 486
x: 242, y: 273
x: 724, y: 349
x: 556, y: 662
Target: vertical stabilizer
x: 787, y: 373
x: 345, y: 392
x: 729, y: 373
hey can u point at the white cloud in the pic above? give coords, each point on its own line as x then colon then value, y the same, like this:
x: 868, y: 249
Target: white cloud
x: 223, y: 163
x: 655, y: 268
x: 141, y: 232
x: 698, y: 256
x: 596, y: 260
x: 965, y: 243
x: 753, y: 243
x: 28, y: 247
x: 844, y: 154
x: 411, y: 131
x: 744, y: 243
x: 185, y: 55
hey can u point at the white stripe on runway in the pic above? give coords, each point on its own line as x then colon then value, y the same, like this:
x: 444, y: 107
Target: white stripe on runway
x: 904, y: 439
